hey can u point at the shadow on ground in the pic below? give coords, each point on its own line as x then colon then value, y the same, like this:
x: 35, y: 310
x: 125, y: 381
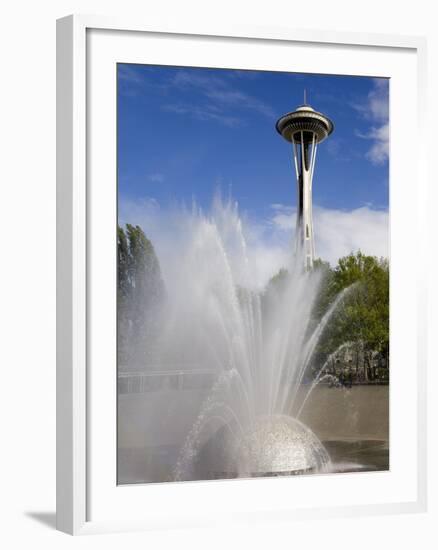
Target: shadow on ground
x: 45, y: 518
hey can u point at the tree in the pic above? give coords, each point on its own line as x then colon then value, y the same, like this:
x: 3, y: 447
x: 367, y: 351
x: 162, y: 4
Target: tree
x: 140, y: 295
x: 363, y: 316
x: 326, y: 294
x: 123, y: 283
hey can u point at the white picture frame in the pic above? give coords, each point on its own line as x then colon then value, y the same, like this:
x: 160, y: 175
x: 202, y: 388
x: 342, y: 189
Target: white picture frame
x: 81, y: 484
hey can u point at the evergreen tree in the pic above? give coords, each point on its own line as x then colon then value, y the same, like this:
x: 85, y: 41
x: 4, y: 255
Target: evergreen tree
x: 140, y: 297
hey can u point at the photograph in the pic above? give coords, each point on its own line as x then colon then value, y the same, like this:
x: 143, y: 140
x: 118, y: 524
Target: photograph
x: 219, y: 275
x: 252, y: 273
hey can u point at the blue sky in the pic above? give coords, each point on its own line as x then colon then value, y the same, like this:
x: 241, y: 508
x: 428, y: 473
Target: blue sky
x: 184, y: 132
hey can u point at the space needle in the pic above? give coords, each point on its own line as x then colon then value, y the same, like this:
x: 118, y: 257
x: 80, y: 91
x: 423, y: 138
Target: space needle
x: 304, y: 128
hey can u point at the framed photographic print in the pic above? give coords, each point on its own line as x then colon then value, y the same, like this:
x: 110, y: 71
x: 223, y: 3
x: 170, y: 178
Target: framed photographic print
x: 240, y: 335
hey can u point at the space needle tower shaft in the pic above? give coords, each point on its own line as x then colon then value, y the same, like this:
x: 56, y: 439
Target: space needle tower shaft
x: 304, y: 128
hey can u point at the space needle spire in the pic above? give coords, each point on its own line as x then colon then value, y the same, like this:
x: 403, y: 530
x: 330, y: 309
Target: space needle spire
x: 305, y: 128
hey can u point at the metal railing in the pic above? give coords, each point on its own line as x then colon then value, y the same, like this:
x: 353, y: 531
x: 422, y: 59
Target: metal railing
x: 164, y: 380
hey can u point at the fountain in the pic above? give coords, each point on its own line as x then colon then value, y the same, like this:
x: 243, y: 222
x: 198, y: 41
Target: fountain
x: 258, y: 342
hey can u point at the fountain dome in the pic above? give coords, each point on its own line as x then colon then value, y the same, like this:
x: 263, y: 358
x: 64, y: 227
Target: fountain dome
x: 280, y: 445
x: 274, y: 445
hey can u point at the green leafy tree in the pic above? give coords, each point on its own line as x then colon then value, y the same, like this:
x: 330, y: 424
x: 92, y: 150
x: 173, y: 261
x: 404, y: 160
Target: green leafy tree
x: 362, y: 318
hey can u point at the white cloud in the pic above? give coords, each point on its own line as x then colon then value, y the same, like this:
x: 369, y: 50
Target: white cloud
x: 379, y: 151
x: 141, y: 212
x: 203, y: 112
x: 340, y: 232
x: 376, y: 110
x: 255, y: 252
x: 240, y: 99
x: 156, y: 178
x: 257, y: 249
x: 283, y: 217
x: 128, y: 73
x: 376, y: 106
x: 221, y: 94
